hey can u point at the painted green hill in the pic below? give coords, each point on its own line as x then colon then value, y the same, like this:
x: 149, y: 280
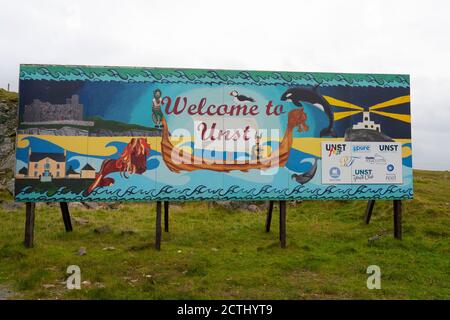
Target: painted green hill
x: 112, y: 125
x: 99, y: 124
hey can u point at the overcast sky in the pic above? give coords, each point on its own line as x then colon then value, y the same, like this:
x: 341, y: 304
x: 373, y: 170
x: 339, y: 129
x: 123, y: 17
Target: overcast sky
x: 410, y: 37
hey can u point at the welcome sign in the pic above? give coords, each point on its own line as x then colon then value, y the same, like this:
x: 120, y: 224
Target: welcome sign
x: 140, y: 134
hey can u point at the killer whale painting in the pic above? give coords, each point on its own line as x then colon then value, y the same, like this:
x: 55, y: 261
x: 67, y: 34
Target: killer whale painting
x: 90, y: 133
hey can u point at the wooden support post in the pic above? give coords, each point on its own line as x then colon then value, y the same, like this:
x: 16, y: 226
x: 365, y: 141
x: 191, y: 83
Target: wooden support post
x: 269, y: 216
x: 283, y: 223
x: 166, y: 216
x: 29, y: 224
x: 398, y: 219
x: 158, y: 226
x: 369, y: 210
x: 66, y: 216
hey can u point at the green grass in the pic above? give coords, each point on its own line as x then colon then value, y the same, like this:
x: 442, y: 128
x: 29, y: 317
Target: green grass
x: 11, y: 98
x: 220, y: 254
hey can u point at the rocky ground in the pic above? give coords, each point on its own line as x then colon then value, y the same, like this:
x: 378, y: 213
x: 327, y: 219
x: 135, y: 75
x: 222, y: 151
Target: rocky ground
x: 8, y: 124
x: 6, y: 293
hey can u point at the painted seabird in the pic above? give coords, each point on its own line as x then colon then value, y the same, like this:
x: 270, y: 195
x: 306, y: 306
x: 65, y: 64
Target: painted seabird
x: 239, y: 98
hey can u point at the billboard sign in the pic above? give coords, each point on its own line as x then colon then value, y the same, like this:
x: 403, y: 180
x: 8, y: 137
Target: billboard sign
x: 142, y: 134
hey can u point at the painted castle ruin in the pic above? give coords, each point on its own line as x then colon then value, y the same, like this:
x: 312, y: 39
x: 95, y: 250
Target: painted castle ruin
x: 43, y: 112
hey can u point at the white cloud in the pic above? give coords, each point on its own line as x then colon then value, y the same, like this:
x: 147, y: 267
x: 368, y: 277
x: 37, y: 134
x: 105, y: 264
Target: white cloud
x: 337, y: 36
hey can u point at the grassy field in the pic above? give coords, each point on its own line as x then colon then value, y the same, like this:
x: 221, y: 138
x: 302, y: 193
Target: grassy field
x: 213, y: 253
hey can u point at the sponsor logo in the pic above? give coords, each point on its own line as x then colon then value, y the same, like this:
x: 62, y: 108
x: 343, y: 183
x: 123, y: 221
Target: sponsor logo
x: 391, y: 177
x: 347, y: 161
x: 335, y: 148
x: 362, y: 174
x: 335, y: 172
x: 388, y: 147
x: 361, y: 148
x: 376, y: 159
x: 390, y: 167
x: 363, y: 171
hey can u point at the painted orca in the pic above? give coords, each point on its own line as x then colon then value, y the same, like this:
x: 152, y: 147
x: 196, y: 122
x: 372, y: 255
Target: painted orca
x: 306, y: 176
x: 298, y: 95
x: 240, y: 97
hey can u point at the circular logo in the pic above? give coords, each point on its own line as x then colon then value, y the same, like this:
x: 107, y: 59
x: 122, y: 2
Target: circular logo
x: 390, y: 167
x: 335, y: 172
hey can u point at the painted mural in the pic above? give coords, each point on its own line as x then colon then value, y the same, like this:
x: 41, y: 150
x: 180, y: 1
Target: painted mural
x: 140, y: 134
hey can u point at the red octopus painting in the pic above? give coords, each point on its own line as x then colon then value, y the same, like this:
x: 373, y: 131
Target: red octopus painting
x: 132, y: 160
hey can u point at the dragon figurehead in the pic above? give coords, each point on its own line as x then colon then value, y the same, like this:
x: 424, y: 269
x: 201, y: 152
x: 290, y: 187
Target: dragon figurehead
x: 132, y: 160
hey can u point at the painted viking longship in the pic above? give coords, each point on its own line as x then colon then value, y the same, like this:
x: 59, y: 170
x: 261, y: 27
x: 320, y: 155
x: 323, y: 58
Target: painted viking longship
x: 176, y: 159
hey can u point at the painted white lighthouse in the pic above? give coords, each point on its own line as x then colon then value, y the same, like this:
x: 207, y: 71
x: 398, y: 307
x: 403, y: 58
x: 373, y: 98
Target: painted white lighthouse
x: 367, y: 123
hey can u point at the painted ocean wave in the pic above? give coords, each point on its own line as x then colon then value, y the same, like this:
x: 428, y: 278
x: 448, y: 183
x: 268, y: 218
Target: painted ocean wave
x: 208, y: 77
